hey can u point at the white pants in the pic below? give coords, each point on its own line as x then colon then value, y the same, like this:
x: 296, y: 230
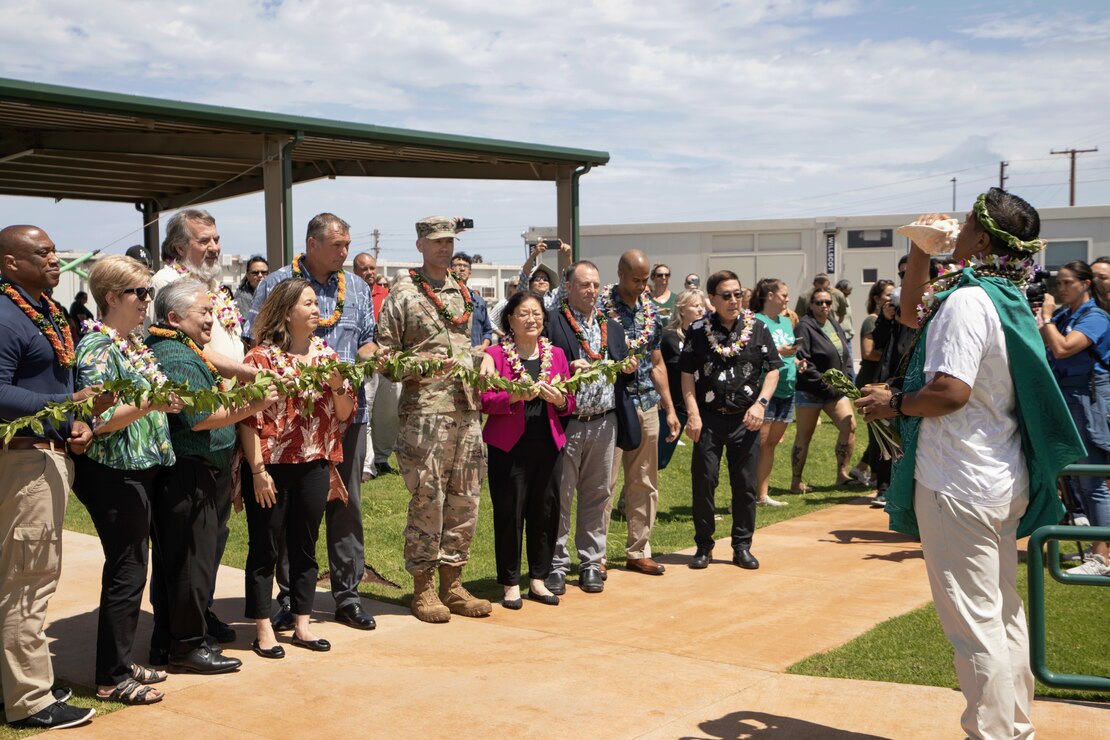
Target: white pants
x: 971, y: 558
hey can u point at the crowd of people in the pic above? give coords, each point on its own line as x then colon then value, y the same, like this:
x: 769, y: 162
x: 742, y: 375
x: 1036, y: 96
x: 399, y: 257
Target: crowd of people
x: 731, y: 367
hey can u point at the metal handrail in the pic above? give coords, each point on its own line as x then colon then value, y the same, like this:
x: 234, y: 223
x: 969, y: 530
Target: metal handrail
x: 1035, y: 550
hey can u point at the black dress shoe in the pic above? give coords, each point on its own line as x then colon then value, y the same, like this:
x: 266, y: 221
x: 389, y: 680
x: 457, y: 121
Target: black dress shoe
x: 589, y: 580
x: 218, y: 629
x: 549, y: 599
x: 745, y: 559
x: 276, y: 652
x: 204, y: 661
x: 384, y: 468
x: 352, y: 615
x: 159, y: 656
x: 319, y: 646
x: 513, y: 604
x: 701, y: 559
x: 283, y: 620
x: 556, y: 583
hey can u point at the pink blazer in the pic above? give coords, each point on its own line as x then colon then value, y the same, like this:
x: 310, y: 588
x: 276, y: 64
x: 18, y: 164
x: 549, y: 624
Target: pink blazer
x: 505, y: 424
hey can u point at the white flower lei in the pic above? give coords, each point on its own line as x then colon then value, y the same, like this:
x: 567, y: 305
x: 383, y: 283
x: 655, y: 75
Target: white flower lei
x: 733, y: 349
x: 136, y: 355
x: 517, y: 366
x: 223, y: 306
x: 1017, y: 270
x: 644, y: 306
x: 286, y: 367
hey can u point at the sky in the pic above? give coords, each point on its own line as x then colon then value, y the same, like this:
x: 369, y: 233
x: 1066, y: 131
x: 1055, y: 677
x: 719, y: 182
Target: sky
x: 709, y: 110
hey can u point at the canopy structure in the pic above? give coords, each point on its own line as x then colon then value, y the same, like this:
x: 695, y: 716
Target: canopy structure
x: 161, y: 155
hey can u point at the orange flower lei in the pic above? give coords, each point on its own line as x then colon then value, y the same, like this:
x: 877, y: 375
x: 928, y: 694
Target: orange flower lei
x: 580, y: 334
x: 63, y: 346
x: 180, y: 336
x: 444, y: 312
x: 340, y: 296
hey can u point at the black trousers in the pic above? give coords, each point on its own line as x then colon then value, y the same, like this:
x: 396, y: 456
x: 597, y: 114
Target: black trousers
x: 524, y: 489
x: 726, y: 432
x: 119, y: 503
x: 184, y: 533
x: 302, y: 492
x: 346, y: 554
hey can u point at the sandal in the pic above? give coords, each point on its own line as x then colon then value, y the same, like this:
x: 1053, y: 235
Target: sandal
x: 130, y: 691
x: 800, y: 488
x: 146, y: 676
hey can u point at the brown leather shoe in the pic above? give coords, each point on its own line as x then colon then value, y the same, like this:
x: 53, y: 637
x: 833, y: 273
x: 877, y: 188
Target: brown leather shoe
x: 647, y: 566
x: 603, y: 571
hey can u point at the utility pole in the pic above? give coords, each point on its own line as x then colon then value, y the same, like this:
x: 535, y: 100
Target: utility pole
x: 953, y: 195
x: 376, y: 234
x: 1002, y: 176
x: 1072, y: 153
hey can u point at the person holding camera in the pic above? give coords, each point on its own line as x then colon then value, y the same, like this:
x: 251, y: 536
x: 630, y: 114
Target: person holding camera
x: 534, y: 275
x: 985, y: 432
x: 1077, y: 336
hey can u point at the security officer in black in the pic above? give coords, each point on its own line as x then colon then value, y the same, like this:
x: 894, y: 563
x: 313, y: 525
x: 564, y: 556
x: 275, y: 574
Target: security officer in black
x: 730, y: 368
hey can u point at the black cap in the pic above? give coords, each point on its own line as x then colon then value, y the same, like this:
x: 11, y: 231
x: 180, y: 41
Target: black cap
x: 139, y: 253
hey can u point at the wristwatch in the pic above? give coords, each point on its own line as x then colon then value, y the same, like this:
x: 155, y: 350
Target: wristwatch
x: 762, y: 402
x: 896, y: 403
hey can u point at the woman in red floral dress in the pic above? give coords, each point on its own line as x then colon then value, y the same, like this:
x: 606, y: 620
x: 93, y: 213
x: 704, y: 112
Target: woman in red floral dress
x: 291, y: 449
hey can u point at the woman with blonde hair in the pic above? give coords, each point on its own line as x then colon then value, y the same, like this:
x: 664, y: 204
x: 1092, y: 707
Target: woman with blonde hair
x: 114, y: 479
x: 689, y: 306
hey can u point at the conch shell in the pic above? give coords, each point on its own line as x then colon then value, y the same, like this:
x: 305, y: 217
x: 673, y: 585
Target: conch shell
x: 936, y: 238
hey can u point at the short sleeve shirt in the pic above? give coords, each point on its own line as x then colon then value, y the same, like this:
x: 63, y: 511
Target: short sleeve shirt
x: 973, y: 454
x: 728, y: 384
x: 292, y: 432
x: 632, y: 318
x: 1094, y: 324
x: 782, y: 333
x: 142, y: 444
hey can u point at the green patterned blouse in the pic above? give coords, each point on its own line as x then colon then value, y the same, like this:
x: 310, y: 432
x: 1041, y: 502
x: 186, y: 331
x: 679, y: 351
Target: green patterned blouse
x: 142, y: 444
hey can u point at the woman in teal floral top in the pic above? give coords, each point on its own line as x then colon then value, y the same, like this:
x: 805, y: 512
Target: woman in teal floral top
x: 114, y: 479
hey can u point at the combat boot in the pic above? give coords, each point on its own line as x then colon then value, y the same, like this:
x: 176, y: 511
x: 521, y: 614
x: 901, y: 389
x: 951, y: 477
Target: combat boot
x: 456, y: 598
x: 426, y: 605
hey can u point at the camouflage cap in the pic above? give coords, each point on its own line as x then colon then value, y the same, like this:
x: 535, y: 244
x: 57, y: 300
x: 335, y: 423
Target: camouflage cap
x: 435, y: 227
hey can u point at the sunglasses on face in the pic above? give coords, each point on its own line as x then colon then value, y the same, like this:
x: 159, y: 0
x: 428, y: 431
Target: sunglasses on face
x: 822, y: 303
x: 728, y: 296
x: 540, y: 279
x: 259, y: 273
x: 662, y: 275
x: 141, y: 293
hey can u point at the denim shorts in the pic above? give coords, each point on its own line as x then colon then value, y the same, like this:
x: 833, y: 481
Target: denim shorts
x: 780, y: 409
x: 801, y: 398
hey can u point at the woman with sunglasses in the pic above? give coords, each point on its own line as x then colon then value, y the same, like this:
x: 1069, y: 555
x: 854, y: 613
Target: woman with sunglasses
x: 824, y: 347
x: 115, y: 477
x: 257, y: 270
x: 661, y: 294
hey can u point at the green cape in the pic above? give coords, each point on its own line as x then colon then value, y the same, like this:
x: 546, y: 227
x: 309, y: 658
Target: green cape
x: 1049, y: 439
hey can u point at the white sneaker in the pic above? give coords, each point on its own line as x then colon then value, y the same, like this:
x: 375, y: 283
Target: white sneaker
x: 771, y: 502
x: 862, y: 476
x: 1094, y: 565
x: 1077, y: 557
x: 1081, y: 521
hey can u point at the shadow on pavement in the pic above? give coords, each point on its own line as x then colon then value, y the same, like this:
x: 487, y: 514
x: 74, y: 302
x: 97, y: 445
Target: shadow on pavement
x: 736, y: 725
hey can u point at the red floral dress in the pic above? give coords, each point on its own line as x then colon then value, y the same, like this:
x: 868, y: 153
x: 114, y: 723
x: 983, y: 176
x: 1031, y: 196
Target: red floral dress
x: 289, y: 434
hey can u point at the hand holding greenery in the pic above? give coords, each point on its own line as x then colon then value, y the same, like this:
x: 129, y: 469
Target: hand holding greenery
x: 886, y: 434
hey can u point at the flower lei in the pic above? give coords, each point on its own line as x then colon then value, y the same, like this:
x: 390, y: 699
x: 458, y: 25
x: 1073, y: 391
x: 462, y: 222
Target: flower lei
x: 223, y: 306
x: 580, y: 333
x: 136, y: 355
x: 733, y: 349
x: 286, y: 369
x: 1019, y: 271
x: 517, y: 366
x: 340, y: 295
x: 644, y: 305
x: 63, y: 346
x: 180, y: 336
x: 444, y: 312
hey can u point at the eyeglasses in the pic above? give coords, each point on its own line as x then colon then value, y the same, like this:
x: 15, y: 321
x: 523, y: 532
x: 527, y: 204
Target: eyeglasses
x: 822, y: 303
x: 729, y: 295
x: 901, y: 274
x: 141, y: 293
x: 662, y: 275
x: 259, y: 273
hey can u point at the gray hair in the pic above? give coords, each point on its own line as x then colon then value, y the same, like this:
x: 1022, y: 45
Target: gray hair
x: 177, y: 297
x: 321, y: 222
x: 177, y: 231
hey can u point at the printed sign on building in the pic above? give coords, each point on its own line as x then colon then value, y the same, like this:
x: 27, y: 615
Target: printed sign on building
x: 830, y: 253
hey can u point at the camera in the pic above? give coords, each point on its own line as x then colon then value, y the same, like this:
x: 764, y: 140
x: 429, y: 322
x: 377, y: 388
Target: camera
x: 1036, y: 288
x: 552, y: 243
x: 464, y: 223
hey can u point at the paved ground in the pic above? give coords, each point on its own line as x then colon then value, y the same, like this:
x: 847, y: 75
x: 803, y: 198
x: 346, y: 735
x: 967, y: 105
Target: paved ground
x: 696, y: 654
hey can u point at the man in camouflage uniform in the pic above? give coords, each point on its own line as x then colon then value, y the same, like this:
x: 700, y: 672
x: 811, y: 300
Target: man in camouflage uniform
x: 440, y: 449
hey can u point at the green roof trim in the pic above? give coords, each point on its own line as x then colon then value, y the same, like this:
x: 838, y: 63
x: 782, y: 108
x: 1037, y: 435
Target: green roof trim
x: 259, y: 121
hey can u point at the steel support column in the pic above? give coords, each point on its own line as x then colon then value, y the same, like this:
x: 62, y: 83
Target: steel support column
x: 565, y: 221
x: 275, y: 198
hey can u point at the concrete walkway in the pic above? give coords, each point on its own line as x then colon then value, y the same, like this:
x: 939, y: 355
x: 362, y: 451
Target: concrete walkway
x: 695, y: 654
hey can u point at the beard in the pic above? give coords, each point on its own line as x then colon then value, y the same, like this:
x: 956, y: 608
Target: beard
x: 205, y: 272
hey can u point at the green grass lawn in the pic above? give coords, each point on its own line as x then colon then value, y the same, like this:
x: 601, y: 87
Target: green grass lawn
x: 907, y: 649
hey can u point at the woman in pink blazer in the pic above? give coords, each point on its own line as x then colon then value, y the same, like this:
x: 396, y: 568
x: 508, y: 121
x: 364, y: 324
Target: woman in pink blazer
x: 525, y: 438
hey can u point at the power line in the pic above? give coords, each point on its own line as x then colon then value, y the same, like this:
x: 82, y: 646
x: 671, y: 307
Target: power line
x: 1072, y: 152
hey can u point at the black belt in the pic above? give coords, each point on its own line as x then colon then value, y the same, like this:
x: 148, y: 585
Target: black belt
x: 592, y: 417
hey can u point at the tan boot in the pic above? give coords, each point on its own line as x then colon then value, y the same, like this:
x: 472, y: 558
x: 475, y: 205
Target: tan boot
x: 426, y: 605
x: 458, y: 599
